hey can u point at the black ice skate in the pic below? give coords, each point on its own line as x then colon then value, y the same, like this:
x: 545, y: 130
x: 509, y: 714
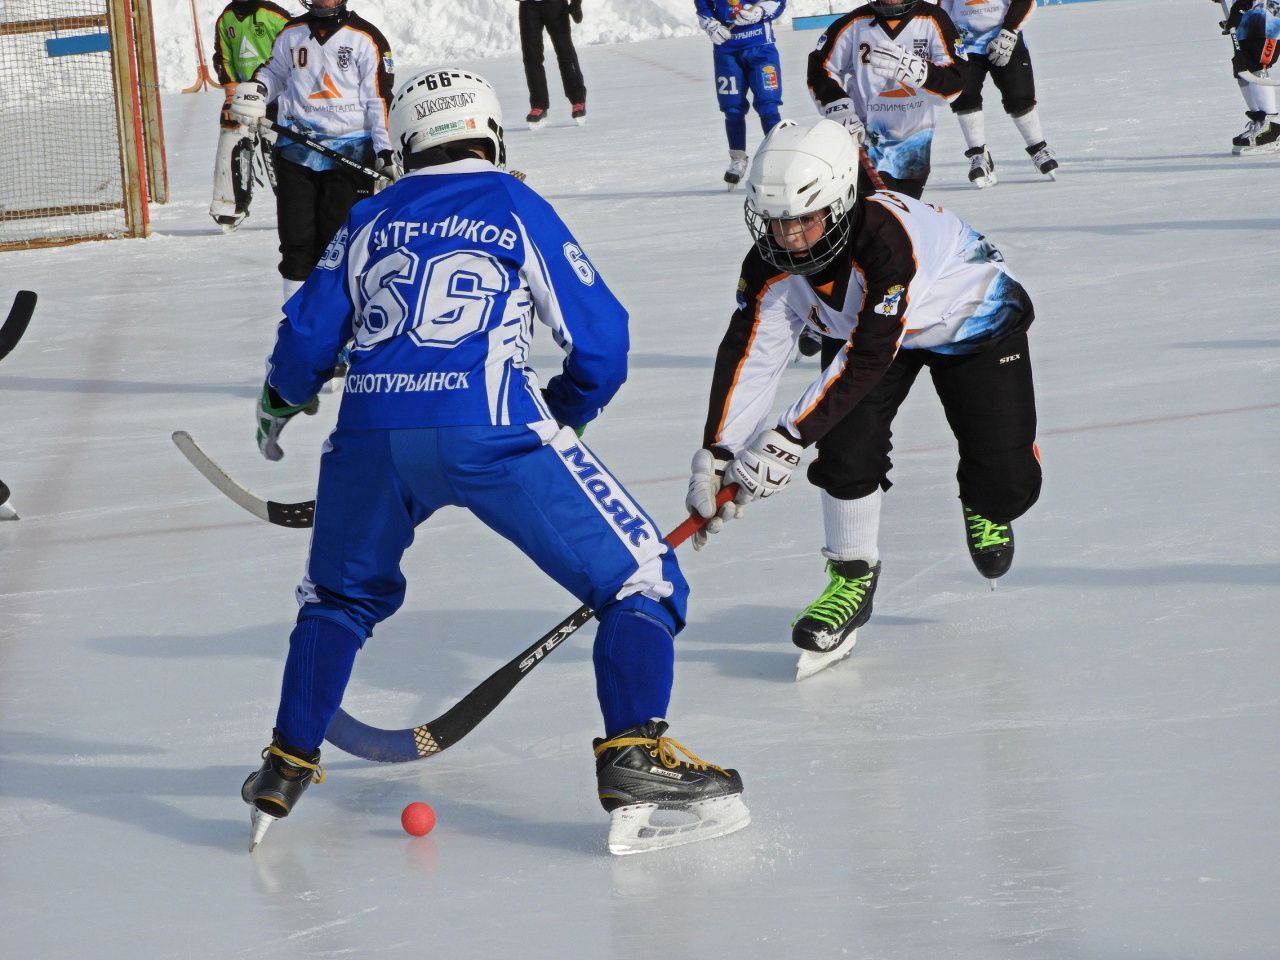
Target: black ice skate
x: 1262, y: 135
x: 273, y: 790
x: 7, y: 512
x: 990, y: 545
x: 809, y: 344
x: 638, y: 773
x: 579, y: 113
x: 537, y: 117
x: 1044, y: 159
x: 826, y: 630
x: 982, y: 169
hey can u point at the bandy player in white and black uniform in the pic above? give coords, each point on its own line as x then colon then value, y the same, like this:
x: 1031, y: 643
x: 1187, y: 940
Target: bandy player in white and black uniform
x: 330, y: 76
x: 991, y: 38
x: 894, y: 286
x: 1254, y: 27
x: 880, y: 70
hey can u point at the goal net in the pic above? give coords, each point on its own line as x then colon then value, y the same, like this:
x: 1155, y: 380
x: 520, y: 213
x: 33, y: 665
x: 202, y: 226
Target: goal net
x: 72, y: 151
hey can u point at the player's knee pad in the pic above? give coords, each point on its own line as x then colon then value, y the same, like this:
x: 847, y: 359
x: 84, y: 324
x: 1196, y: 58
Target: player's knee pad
x: 1019, y: 105
x: 843, y: 484
x: 968, y: 102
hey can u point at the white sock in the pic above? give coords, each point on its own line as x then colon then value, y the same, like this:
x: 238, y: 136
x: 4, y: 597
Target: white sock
x: 1260, y: 98
x: 290, y: 288
x: 974, y: 128
x: 852, y: 528
x: 1029, y: 126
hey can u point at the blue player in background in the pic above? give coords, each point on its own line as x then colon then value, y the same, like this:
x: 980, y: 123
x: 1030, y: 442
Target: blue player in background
x: 437, y: 280
x: 746, y: 58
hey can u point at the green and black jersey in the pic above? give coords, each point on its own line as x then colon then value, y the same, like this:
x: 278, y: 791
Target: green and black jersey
x: 243, y: 36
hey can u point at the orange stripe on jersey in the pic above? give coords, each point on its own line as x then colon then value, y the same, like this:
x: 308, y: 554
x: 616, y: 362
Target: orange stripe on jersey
x: 1268, y: 52
x: 737, y: 371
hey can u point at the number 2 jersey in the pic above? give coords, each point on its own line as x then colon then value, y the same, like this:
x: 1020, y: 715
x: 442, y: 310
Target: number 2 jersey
x: 331, y: 80
x: 913, y: 276
x: 438, y: 279
x: 899, y: 117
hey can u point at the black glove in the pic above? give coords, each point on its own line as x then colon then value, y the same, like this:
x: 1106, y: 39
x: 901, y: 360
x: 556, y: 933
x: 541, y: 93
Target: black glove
x: 575, y: 10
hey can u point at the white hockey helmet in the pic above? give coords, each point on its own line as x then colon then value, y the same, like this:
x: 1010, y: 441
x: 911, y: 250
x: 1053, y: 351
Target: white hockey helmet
x: 802, y: 169
x: 442, y: 106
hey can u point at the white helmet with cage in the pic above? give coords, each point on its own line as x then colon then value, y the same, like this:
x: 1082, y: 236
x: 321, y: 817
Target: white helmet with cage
x: 442, y: 106
x: 802, y: 170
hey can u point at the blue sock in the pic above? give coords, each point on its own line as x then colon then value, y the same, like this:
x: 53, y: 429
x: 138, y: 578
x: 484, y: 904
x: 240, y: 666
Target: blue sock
x: 634, y: 657
x: 735, y: 128
x: 321, y: 655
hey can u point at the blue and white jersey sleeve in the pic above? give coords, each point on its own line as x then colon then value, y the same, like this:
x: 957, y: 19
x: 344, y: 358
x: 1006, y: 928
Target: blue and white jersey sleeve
x: 585, y: 318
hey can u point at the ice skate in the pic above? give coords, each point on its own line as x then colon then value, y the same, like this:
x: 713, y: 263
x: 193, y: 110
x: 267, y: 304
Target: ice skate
x: 1043, y: 158
x: 982, y: 169
x: 536, y: 117
x: 273, y: 790
x: 826, y: 630
x: 639, y: 775
x: 226, y: 215
x: 7, y: 512
x: 990, y: 545
x: 1262, y: 135
x: 579, y: 113
x: 737, y: 168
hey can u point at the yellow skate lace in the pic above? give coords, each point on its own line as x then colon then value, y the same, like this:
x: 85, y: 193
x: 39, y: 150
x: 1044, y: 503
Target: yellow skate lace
x: 663, y: 749
x: 317, y: 772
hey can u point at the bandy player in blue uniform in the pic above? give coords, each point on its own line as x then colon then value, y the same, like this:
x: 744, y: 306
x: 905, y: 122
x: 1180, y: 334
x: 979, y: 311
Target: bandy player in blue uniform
x: 437, y: 280
x: 746, y: 58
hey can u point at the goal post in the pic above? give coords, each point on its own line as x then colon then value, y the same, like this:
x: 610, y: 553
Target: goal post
x: 80, y: 135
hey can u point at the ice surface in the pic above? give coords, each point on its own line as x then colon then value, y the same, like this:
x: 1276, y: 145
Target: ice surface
x: 1082, y: 764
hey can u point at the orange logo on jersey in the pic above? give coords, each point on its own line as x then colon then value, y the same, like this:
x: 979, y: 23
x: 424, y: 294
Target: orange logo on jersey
x: 328, y: 91
x: 974, y: 3
x: 900, y: 92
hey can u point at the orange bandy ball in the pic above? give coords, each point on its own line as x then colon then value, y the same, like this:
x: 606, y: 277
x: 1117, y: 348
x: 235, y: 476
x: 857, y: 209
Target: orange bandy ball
x: 418, y: 818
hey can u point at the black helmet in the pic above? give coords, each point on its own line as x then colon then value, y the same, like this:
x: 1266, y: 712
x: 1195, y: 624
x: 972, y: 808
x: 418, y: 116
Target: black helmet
x: 890, y: 11
x: 325, y: 13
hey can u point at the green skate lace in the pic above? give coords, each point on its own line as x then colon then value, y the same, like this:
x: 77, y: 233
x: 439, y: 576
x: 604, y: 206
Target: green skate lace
x: 985, y: 533
x: 839, y: 601
x: 662, y: 749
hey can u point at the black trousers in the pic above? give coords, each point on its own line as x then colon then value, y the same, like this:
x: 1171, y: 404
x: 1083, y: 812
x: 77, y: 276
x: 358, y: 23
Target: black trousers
x: 1015, y: 80
x: 989, y: 400
x: 310, y: 207
x: 553, y: 16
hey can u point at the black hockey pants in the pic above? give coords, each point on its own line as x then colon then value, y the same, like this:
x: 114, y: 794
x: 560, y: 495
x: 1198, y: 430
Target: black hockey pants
x: 310, y: 207
x: 989, y: 400
x: 1015, y: 80
x: 912, y: 187
x: 553, y: 15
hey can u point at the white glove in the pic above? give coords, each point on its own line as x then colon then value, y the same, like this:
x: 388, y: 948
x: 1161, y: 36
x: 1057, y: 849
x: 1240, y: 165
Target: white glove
x: 1000, y: 49
x: 748, y: 14
x: 890, y: 60
x: 842, y: 112
x: 249, y: 103
x: 706, y: 476
x: 764, y: 466
x: 716, y: 30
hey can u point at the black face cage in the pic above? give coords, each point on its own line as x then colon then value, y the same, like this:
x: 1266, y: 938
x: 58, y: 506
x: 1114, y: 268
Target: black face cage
x: 323, y: 13
x: 803, y: 263
x: 890, y: 10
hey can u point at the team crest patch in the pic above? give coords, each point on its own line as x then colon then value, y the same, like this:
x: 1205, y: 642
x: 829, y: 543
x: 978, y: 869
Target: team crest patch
x: 770, y: 74
x: 388, y: 64
x: 920, y: 48
x: 344, y: 58
x: 888, y: 307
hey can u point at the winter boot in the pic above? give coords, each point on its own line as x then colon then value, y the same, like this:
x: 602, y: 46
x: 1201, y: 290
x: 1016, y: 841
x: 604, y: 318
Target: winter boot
x: 737, y: 168
x: 638, y: 772
x: 982, y: 169
x: 841, y: 609
x: 274, y: 789
x: 990, y: 544
x: 1043, y: 158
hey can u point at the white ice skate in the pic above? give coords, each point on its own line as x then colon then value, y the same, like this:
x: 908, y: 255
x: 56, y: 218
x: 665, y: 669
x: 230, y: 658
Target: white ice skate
x: 982, y: 169
x: 737, y: 168
x: 644, y: 827
x: 1043, y: 159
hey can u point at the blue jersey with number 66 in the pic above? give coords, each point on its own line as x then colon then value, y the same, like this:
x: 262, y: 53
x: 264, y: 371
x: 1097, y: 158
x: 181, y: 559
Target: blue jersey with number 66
x: 436, y: 282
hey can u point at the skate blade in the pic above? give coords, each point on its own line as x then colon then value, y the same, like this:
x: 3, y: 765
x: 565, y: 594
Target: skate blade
x: 812, y: 662
x: 1256, y: 151
x: 580, y: 121
x: 7, y: 512
x: 260, y: 823
x: 983, y: 182
x: 631, y: 829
